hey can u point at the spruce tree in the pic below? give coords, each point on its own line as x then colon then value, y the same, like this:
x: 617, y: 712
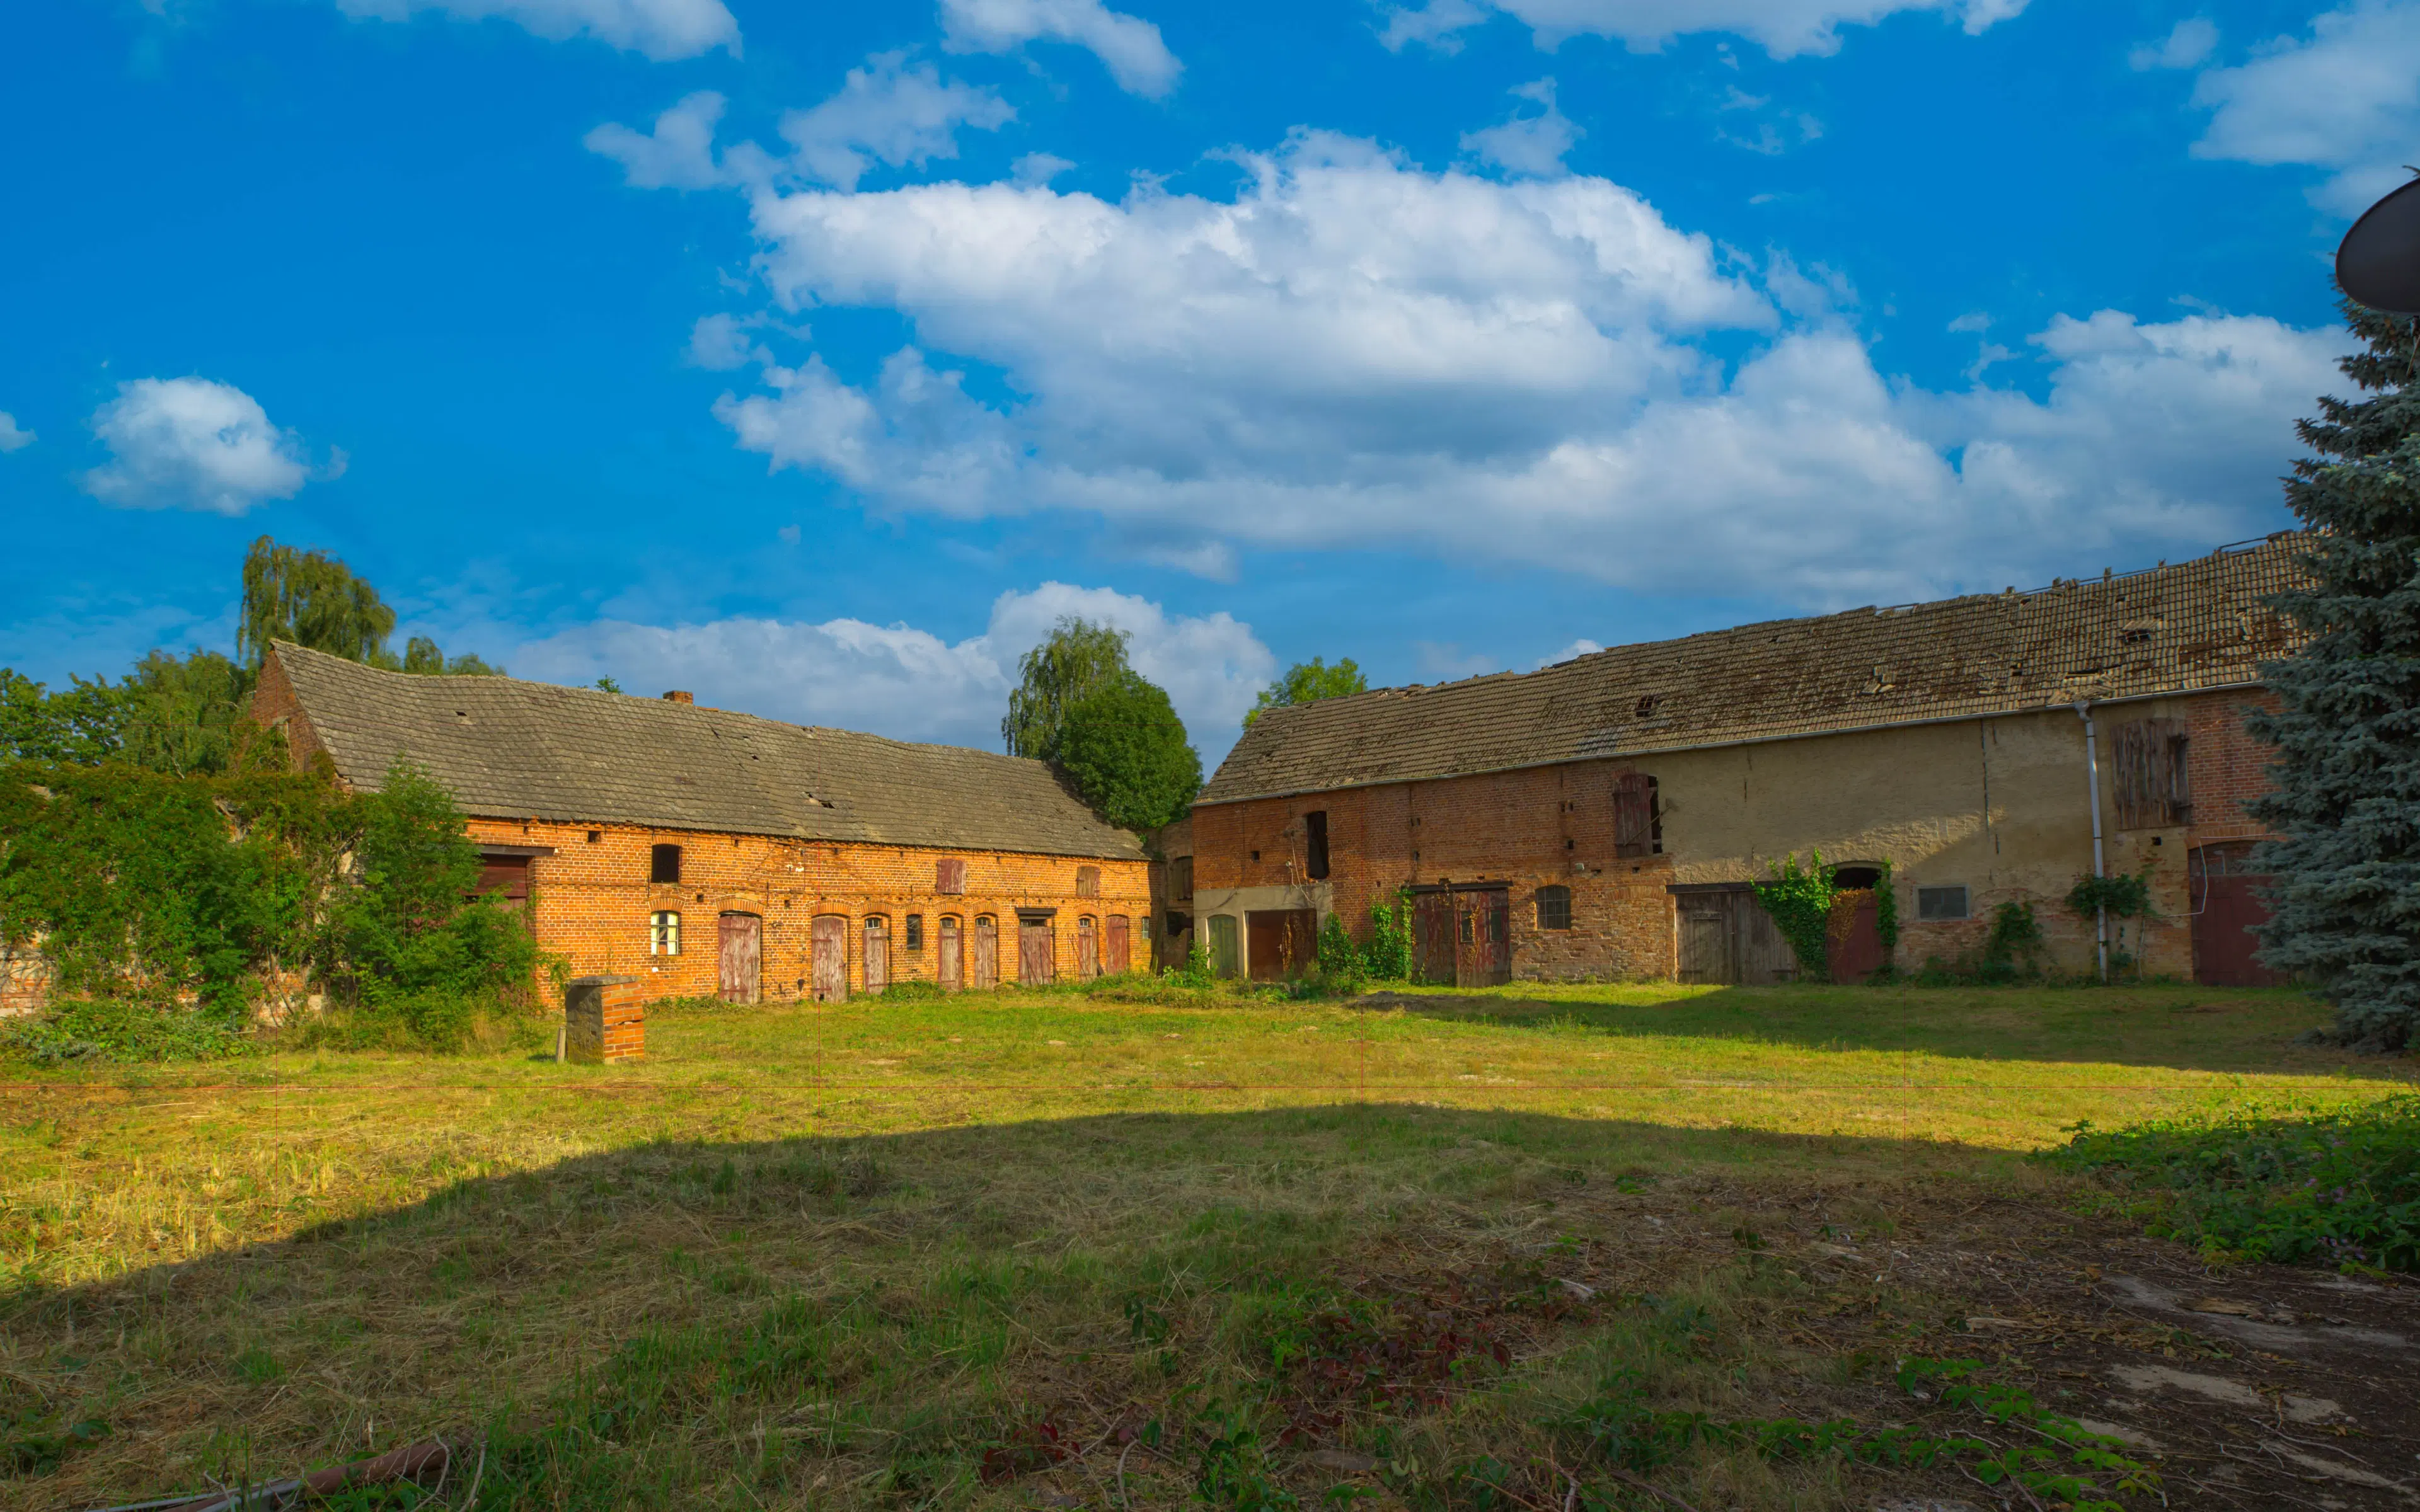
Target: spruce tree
x: 2345, y: 786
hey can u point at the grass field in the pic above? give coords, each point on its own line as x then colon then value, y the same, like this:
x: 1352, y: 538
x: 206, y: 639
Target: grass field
x: 1130, y: 1246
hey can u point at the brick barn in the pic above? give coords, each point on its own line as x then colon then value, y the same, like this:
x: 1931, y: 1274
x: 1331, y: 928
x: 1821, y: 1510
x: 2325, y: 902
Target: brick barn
x: 1606, y: 817
x: 714, y: 852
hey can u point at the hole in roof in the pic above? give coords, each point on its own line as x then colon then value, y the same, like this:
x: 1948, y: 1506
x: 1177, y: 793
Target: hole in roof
x: 1648, y: 705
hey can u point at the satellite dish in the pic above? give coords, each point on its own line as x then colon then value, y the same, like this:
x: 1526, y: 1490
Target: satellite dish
x: 2378, y: 263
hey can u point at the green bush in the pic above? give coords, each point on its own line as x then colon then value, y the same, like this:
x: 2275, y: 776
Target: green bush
x: 2336, y: 1188
x: 1389, y: 955
x: 1339, y: 959
x: 1800, y: 901
x: 123, y: 1030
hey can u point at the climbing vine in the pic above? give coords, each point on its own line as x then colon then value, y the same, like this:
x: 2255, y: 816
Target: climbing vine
x: 2124, y: 897
x: 1887, y: 914
x: 1800, y: 901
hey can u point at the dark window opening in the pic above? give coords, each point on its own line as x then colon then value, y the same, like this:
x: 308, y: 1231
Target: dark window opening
x: 1555, y: 907
x: 1638, y: 816
x: 1646, y: 705
x: 664, y: 864
x: 915, y: 940
x: 1256, y: 855
x: 1314, y: 825
x: 1180, y: 876
x: 595, y: 836
x: 1941, y: 903
x: 1178, y: 923
x: 1857, y: 877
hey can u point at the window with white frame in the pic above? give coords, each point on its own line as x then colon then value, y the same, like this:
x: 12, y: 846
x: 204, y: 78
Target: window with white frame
x: 663, y: 932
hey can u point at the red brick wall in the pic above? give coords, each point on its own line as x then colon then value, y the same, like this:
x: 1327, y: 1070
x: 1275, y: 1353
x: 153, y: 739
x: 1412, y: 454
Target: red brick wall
x: 2227, y: 765
x: 1549, y: 825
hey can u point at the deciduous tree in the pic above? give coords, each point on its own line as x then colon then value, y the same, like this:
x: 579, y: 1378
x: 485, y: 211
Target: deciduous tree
x: 1307, y: 681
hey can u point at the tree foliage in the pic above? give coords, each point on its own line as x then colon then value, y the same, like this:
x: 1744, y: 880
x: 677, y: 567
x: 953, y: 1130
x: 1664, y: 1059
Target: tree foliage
x: 1078, y: 659
x: 311, y: 599
x: 1124, y: 749
x: 2345, y: 789
x: 1307, y: 681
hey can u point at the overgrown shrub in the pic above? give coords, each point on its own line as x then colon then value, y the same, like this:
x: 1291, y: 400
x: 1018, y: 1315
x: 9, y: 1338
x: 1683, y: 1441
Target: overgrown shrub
x: 2011, y: 952
x: 2338, y: 1188
x: 1341, y: 966
x: 1387, y: 957
x: 124, y: 1031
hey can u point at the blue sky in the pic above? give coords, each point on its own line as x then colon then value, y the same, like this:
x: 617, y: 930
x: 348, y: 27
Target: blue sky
x: 815, y: 358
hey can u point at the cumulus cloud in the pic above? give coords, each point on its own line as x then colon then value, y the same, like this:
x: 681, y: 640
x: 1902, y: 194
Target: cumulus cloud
x: 910, y: 683
x: 677, y: 154
x: 658, y: 29
x: 1785, y: 28
x: 1532, y: 144
x: 890, y: 114
x: 12, y: 436
x: 1350, y: 348
x: 1129, y: 46
x: 2188, y: 45
x: 2346, y: 99
x: 191, y: 444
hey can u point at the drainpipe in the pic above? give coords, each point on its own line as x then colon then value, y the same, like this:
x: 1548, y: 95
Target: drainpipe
x: 2092, y: 781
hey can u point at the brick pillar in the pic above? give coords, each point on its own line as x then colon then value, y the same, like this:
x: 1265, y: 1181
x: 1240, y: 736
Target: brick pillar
x: 602, y: 1019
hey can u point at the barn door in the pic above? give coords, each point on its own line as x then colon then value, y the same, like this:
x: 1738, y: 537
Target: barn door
x: 952, y: 954
x: 1226, y: 953
x: 1433, y: 943
x: 1120, y: 956
x: 986, y: 968
x: 1088, y: 949
x: 1280, y: 944
x: 1706, y: 938
x: 2230, y: 908
x: 1033, y: 962
x: 739, y: 969
x: 1853, y: 941
x: 1483, y: 937
x: 878, y: 953
x: 829, y: 973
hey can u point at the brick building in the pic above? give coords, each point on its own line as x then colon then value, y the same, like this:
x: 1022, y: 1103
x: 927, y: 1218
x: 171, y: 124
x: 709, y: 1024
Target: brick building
x: 1606, y: 817
x: 709, y: 852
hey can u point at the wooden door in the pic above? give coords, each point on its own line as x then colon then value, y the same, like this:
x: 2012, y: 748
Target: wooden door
x: 1280, y: 944
x: 983, y: 971
x: 1728, y: 938
x: 1706, y: 938
x: 952, y: 956
x: 1034, y: 953
x: 1121, y: 946
x: 1853, y: 941
x: 878, y: 953
x: 739, y: 966
x: 2230, y: 908
x: 1432, y: 947
x: 1088, y: 949
x: 828, y: 974
x: 1483, y: 937
x: 1226, y: 953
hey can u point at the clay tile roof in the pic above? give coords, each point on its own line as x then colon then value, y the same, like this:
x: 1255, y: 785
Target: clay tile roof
x: 2192, y: 626
x: 514, y: 749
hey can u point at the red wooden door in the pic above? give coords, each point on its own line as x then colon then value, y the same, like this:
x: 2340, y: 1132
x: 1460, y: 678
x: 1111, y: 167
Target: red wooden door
x: 1088, y: 949
x: 878, y: 953
x: 1033, y: 962
x: 830, y: 975
x: 741, y: 958
x: 1853, y: 941
x: 1433, y: 948
x: 1483, y: 937
x: 952, y: 956
x: 1121, y: 958
x: 983, y: 971
x: 2222, y: 933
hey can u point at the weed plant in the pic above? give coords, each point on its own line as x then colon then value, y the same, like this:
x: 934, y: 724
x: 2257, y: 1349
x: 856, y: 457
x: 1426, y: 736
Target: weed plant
x: 127, y: 1031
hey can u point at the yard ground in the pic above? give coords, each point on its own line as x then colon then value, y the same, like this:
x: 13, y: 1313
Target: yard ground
x: 1133, y: 1247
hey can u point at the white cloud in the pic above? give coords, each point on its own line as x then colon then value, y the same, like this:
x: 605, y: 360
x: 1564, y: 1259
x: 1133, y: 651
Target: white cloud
x: 2347, y: 97
x: 2188, y: 45
x: 659, y: 29
x: 907, y: 683
x: 191, y: 444
x: 720, y: 342
x: 1352, y: 349
x: 1533, y: 145
x: 12, y: 436
x: 889, y: 114
x: 1582, y: 647
x: 1784, y: 28
x: 677, y: 154
x: 1129, y: 46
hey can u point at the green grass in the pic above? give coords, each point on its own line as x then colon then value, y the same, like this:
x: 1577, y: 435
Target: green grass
x: 873, y: 1253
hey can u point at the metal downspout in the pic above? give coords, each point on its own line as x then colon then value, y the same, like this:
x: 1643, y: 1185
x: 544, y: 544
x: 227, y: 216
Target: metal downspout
x: 2092, y: 783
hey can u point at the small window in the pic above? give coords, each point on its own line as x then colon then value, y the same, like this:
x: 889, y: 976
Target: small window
x: 950, y: 876
x: 1314, y: 828
x: 1941, y: 903
x: 1088, y: 882
x: 595, y: 836
x: 915, y: 938
x: 664, y: 864
x: 663, y: 932
x: 1554, y: 907
x: 1638, y: 817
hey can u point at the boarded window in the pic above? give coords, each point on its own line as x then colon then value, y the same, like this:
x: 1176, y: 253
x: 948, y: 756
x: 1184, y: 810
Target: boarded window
x: 1555, y: 907
x: 1941, y: 903
x: 950, y: 876
x: 1637, y: 818
x: 664, y: 864
x: 2149, y: 785
x: 663, y: 934
x: 1088, y: 882
x: 914, y: 939
x: 1314, y: 830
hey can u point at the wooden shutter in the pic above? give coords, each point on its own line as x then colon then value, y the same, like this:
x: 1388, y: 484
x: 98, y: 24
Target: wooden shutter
x: 950, y: 876
x: 2148, y: 785
x: 1635, y: 829
x: 1088, y: 882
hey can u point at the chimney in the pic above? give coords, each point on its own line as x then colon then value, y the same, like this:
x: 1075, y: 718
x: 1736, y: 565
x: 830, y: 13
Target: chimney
x: 678, y: 697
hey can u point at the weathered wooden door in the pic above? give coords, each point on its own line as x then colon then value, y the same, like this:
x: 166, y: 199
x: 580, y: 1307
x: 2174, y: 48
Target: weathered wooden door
x: 1034, y: 953
x: 829, y: 975
x: 1432, y: 947
x: 1726, y: 937
x: 2230, y: 908
x: 952, y: 955
x: 739, y: 968
x: 1705, y: 937
x: 1853, y: 941
x: 1226, y: 952
x: 1280, y: 944
x: 983, y: 971
x: 1483, y: 937
x: 1121, y: 946
x: 878, y: 953
x: 1088, y: 949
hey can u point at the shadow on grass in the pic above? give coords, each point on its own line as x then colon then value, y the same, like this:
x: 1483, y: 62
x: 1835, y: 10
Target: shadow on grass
x: 2178, y: 1026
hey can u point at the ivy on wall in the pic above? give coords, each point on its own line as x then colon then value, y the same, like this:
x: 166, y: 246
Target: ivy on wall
x: 1800, y: 903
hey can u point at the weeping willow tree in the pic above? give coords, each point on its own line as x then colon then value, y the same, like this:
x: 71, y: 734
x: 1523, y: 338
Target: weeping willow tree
x: 313, y: 600
x: 1079, y: 659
